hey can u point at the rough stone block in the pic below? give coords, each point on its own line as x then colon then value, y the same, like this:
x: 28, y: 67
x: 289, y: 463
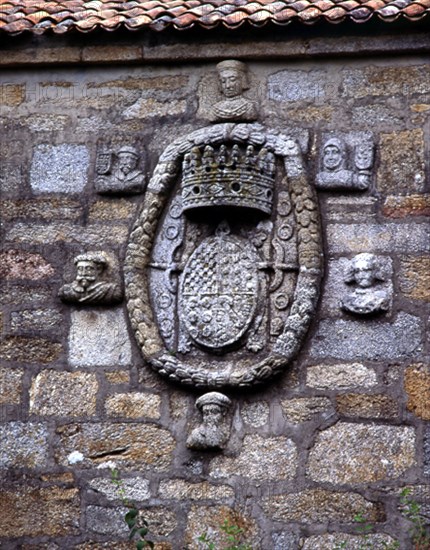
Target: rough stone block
x: 255, y: 414
x: 133, y: 488
x: 426, y: 448
x: 303, y: 409
x: 112, y: 210
x: 134, y: 445
x: 299, y: 85
x: 320, y: 506
x: 179, y: 489
x: 366, y: 406
x: 383, y: 238
x: 110, y: 521
x: 18, y: 264
x: 40, y: 320
x: 285, y: 541
x: 417, y: 387
x: 386, y: 81
x: 340, y: 377
x: 208, y: 520
x: 59, y: 168
x: 19, y: 294
x: 12, y: 95
x: 134, y: 405
x: 403, y: 206
x: 29, y: 350
x: 153, y: 108
x: 90, y: 235
x: 118, y: 377
x: 370, y: 340
x: 355, y: 454
x: 324, y: 542
x: 383, y: 115
x: 23, y: 445
x: 55, y: 393
x: 402, y: 162
x: 10, y: 386
x: 43, y: 209
x: 414, y: 277
x: 260, y: 459
x: 99, y: 338
x: 51, y: 511
x: 45, y: 123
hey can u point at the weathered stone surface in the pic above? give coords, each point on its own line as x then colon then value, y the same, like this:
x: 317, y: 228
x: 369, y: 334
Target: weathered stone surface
x: 180, y: 404
x: 285, y: 541
x: 51, y: 511
x: 110, y: 521
x: 99, y: 338
x: 385, y: 115
x: 118, y: 377
x: 426, y: 449
x: 320, y: 506
x: 385, y: 81
x: 41, y: 209
x: 340, y: 377
x: 133, y: 488
x: 255, y: 414
x: 353, y: 453
x: 303, y: 409
x: 324, y: 542
x: 179, y: 489
x: 161, y: 82
x: 45, y: 123
x: 18, y: 264
x: 90, y: 235
x: 40, y: 320
x: 112, y: 210
x: 22, y: 294
x: 298, y: 85
x: 358, y: 209
x: 133, y: 405
x: 23, y: 445
x: 12, y: 95
x: 110, y: 54
x: 366, y: 406
x: 29, y: 350
x: 135, y: 445
x: 59, y: 168
x: 207, y: 520
x: 310, y: 113
x: 417, y: 387
x: 414, y: 277
x: 354, y: 238
x: 403, y: 206
x: 55, y: 393
x: 402, y: 161
x: 372, y: 340
x: 260, y: 458
x: 152, y: 108
x: 10, y: 385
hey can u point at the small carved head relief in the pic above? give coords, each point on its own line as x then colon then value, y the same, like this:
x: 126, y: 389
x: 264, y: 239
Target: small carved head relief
x: 364, y: 270
x: 127, y: 159
x: 89, y: 267
x: 232, y: 77
x: 333, y: 155
x: 213, y: 432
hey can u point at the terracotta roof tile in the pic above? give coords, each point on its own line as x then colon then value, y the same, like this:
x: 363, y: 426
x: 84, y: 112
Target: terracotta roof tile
x: 85, y: 15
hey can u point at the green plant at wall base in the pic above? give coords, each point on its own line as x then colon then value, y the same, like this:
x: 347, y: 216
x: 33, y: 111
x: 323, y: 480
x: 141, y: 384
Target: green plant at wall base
x: 232, y: 538
x: 137, y: 525
x: 411, y: 510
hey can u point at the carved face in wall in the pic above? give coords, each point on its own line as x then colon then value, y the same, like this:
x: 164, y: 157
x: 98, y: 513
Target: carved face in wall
x: 333, y: 155
x: 87, y: 272
x: 127, y: 162
x: 364, y: 270
x: 231, y: 82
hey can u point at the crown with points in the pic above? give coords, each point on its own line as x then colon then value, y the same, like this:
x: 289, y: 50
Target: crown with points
x: 228, y: 177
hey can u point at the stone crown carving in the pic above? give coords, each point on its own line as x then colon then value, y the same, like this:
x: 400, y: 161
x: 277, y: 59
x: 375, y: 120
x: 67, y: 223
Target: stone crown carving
x: 228, y: 177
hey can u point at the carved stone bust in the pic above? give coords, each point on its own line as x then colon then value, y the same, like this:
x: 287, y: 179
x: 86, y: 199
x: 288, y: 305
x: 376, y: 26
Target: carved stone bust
x: 233, y: 81
x: 368, y: 294
x: 125, y: 175
x: 213, y: 432
x: 334, y: 174
x: 90, y: 286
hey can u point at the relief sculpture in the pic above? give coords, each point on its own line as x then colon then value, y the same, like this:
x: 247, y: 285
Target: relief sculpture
x: 92, y: 284
x: 224, y: 262
x: 342, y: 170
x: 119, y: 173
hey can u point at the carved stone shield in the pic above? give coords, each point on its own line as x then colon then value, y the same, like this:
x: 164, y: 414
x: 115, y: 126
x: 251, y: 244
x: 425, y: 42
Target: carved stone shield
x: 223, y: 296
x: 218, y: 296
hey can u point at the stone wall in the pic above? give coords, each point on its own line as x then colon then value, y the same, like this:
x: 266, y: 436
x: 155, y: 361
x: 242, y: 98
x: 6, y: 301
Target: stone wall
x: 338, y: 435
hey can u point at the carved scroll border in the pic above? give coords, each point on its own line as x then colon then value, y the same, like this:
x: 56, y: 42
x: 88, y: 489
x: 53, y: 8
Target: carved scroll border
x: 309, y: 255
